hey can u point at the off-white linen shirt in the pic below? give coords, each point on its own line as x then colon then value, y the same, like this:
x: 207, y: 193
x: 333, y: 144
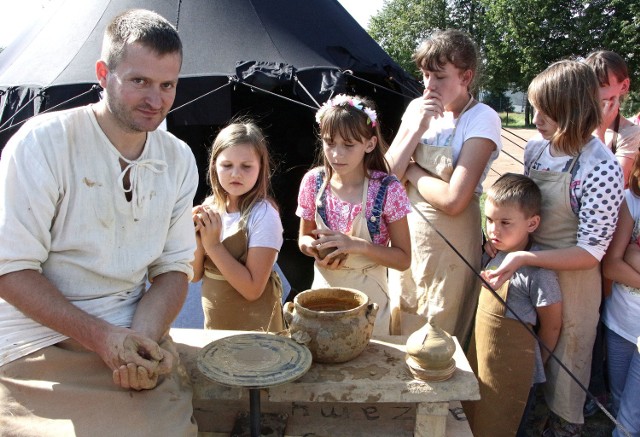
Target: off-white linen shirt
x: 64, y: 213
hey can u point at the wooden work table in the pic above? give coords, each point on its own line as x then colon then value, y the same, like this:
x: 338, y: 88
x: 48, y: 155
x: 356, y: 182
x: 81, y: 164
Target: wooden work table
x: 371, y: 395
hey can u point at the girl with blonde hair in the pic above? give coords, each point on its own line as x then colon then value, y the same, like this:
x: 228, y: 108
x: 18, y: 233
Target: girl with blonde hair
x: 582, y: 190
x: 239, y: 235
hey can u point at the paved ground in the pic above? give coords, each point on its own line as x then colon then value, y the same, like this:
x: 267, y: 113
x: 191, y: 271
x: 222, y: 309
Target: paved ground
x: 511, y: 158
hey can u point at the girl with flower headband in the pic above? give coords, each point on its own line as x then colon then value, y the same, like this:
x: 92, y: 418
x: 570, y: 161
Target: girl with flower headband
x: 353, y: 213
x: 444, y: 149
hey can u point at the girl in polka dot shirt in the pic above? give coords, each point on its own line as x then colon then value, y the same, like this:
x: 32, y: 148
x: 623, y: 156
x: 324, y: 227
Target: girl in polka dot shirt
x: 582, y: 190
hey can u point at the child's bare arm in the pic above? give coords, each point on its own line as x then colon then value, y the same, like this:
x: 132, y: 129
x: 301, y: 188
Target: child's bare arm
x: 248, y: 279
x: 306, y: 238
x: 632, y: 256
x: 614, y: 265
x: 550, y: 324
x: 198, y: 262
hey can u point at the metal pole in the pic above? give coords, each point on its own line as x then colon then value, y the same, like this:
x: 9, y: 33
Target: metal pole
x: 254, y: 412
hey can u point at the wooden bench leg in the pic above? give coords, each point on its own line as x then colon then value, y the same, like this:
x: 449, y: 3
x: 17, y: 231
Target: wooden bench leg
x: 431, y: 419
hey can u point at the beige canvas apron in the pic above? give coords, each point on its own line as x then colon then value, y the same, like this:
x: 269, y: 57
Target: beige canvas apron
x: 581, y: 291
x: 439, y: 286
x: 358, y: 271
x: 502, y: 355
x: 225, y: 308
x: 63, y: 392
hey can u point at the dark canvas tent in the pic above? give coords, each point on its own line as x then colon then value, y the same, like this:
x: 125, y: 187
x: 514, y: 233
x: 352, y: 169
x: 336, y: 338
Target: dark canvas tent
x: 274, y: 60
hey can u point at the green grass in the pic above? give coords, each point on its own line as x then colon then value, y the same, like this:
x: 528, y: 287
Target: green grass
x: 515, y: 119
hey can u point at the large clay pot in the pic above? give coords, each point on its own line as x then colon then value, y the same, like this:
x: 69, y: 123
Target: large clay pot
x: 336, y: 322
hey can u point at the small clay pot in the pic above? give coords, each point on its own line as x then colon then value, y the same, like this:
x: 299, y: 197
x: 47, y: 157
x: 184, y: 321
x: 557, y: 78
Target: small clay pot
x: 336, y: 322
x: 430, y: 353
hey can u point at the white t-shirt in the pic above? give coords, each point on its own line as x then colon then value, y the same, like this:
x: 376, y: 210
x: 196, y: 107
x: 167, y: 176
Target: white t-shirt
x: 264, y: 228
x: 63, y: 212
x: 480, y: 121
x: 622, y: 309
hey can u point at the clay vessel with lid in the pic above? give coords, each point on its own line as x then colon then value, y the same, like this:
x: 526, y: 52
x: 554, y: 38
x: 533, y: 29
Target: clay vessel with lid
x: 430, y: 353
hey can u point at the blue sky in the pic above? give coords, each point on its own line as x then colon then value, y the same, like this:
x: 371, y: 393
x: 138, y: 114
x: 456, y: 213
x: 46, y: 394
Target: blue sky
x: 19, y: 13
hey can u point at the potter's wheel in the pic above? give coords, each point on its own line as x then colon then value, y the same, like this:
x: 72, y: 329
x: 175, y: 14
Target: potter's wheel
x: 254, y: 360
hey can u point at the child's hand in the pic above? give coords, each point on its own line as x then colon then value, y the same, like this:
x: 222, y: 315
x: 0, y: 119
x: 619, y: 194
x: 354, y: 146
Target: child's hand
x: 485, y: 274
x: 196, y: 213
x: 309, y: 250
x: 505, y: 271
x: 332, y: 262
x: 421, y: 111
x: 332, y: 246
x: 409, y: 173
x: 490, y: 249
x: 209, y: 225
x: 432, y: 106
x: 610, y: 109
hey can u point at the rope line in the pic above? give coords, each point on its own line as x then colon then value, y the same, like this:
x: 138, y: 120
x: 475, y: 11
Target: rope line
x: 514, y: 134
x: 200, y: 97
x: 511, y: 156
x: 19, y: 110
x: 350, y: 73
x: 495, y: 171
x: 414, y: 91
x: 306, y: 90
x: 513, y: 142
x: 255, y: 88
x: 41, y: 93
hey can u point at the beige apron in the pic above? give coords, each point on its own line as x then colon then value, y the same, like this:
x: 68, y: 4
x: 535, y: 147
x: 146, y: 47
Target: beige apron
x: 581, y: 293
x: 439, y: 286
x: 70, y: 392
x: 225, y: 308
x: 358, y: 271
x: 502, y: 355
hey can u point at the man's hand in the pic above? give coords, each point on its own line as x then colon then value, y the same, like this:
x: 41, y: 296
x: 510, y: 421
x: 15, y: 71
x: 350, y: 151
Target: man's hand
x: 131, y: 376
x: 136, y: 360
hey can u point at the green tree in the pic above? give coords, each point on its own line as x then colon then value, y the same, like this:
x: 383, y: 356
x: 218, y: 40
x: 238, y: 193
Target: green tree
x: 402, y: 24
x: 524, y: 37
x: 619, y: 32
x: 517, y: 38
x: 498, y: 101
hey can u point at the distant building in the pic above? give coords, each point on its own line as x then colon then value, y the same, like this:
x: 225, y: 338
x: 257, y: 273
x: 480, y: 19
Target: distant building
x: 518, y: 100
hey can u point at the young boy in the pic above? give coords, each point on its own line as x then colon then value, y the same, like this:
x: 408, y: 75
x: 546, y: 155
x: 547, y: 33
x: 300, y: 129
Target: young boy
x: 504, y: 355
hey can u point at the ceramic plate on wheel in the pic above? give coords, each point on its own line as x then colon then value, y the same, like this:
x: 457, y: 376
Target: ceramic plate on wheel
x: 254, y: 360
